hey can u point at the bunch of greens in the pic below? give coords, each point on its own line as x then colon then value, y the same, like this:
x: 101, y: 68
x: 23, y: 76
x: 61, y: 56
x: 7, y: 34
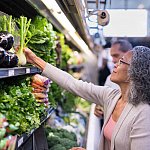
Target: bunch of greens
x: 41, y: 39
x: 58, y: 96
x: 55, y: 94
x: 68, y: 102
x: 60, y: 139
x: 8, y: 24
x: 66, y: 52
x: 19, y: 105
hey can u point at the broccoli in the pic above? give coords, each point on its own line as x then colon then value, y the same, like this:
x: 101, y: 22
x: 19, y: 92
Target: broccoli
x: 60, y: 138
x: 53, y: 140
x: 62, y: 133
x: 69, y: 135
x: 49, y: 129
x: 68, y: 143
x: 58, y: 147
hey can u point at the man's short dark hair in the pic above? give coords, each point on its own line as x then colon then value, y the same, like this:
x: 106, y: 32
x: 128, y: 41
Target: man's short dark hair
x: 124, y: 45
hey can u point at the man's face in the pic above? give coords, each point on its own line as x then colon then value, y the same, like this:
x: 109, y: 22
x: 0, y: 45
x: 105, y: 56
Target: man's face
x: 116, y: 53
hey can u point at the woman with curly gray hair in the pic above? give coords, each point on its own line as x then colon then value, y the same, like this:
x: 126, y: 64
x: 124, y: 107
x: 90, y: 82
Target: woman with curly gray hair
x: 126, y: 113
x: 139, y: 73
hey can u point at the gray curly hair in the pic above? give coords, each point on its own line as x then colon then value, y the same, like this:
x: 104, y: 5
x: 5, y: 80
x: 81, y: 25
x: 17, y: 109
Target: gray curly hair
x: 139, y: 73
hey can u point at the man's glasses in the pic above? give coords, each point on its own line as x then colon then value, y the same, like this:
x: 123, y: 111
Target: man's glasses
x: 122, y: 62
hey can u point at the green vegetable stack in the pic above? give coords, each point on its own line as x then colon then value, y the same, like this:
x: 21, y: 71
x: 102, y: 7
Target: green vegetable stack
x: 19, y: 105
x: 66, y: 52
x: 60, y: 139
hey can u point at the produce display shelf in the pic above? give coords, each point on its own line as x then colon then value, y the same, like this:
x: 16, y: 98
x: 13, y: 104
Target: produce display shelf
x: 24, y: 138
x: 17, y: 71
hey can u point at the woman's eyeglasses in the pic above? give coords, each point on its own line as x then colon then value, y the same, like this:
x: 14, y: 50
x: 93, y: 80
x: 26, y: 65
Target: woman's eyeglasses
x: 122, y: 62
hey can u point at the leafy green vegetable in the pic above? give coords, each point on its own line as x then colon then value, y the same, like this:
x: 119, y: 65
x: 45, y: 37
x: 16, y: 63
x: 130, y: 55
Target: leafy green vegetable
x: 19, y: 105
x: 68, y: 101
x: 55, y: 93
x: 66, y: 52
x: 41, y: 39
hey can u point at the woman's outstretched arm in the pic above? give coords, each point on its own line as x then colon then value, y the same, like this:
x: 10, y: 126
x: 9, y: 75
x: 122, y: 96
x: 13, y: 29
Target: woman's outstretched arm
x: 83, y: 89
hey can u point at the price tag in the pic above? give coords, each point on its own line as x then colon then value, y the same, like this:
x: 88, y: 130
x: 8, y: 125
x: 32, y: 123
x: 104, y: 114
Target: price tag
x: 11, y: 73
x: 20, y: 141
x: 28, y: 70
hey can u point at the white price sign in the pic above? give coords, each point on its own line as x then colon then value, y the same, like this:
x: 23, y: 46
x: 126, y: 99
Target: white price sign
x: 11, y: 73
x: 28, y: 70
x: 20, y: 141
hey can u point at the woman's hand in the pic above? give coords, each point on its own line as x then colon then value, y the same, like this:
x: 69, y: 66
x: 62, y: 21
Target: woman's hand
x: 33, y: 59
x: 30, y: 56
x: 77, y: 148
x: 98, y: 111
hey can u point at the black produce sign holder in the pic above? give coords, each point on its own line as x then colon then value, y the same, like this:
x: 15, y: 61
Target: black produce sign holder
x: 17, y: 71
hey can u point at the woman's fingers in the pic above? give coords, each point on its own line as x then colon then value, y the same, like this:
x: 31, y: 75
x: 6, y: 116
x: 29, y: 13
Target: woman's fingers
x: 98, y: 111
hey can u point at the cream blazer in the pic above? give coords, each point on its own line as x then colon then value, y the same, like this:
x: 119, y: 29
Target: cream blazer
x: 132, y: 130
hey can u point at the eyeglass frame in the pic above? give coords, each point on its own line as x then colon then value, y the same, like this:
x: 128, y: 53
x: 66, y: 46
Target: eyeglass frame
x: 123, y: 62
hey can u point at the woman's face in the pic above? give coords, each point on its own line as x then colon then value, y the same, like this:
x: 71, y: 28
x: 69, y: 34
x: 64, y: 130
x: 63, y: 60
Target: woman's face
x: 120, y: 71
